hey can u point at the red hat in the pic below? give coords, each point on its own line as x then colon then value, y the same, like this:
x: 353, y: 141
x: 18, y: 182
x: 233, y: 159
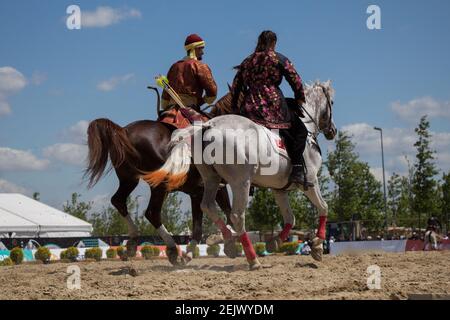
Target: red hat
x: 193, y: 41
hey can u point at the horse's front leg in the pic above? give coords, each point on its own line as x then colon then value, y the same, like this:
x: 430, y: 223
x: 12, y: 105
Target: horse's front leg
x: 153, y: 214
x: 315, y: 196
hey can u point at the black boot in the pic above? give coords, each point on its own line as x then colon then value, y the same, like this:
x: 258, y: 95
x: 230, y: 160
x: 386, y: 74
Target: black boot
x: 298, y: 176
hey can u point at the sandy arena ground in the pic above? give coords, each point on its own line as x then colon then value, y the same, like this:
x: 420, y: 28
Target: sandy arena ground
x: 291, y: 277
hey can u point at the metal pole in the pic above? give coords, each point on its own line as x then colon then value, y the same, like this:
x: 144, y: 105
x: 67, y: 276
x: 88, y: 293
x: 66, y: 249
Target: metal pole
x: 384, y: 180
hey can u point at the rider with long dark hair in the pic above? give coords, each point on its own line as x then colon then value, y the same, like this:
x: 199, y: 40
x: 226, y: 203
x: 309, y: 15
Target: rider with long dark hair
x: 259, y: 77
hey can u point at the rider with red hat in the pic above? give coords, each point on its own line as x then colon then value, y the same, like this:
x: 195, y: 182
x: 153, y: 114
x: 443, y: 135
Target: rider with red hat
x: 190, y: 77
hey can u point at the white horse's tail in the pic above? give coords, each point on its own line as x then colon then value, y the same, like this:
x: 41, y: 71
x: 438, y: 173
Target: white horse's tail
x: 175, y: 170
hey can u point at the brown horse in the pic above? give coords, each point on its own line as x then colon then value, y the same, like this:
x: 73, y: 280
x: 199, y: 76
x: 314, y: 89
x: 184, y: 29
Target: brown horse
x: 142, y: 146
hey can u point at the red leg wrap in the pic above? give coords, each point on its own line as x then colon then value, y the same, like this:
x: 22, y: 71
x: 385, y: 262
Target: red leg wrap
x: 248, y: 247
x: 285, y: 232
x: 322, y: 227
x: 223, y: 228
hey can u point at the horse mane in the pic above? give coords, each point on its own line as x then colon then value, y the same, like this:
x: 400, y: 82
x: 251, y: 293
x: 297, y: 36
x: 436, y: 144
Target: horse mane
x: 316, y: 97
x: 223, y: 105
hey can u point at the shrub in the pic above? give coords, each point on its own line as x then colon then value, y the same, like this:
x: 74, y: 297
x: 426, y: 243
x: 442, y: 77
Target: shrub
x: 149, y: 251
x: 16, y: 255
x: 6, y: 262
x: 121, y: 251
x: 289, y: 248
x: 260, y: 248
x: 239, y: 249
x: 43, y: 254
x: 70, y: 253
x: 213, y: 250
x: 111, y: 253
x: 94, y: 253
x: 192, y: 247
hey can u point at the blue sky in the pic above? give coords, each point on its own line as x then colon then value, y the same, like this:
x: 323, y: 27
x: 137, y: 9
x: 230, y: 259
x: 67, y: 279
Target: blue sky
x: 53, y: 81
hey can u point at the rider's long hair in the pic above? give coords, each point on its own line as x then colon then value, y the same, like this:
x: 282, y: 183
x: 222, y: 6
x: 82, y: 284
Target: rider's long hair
x: 265, y: 40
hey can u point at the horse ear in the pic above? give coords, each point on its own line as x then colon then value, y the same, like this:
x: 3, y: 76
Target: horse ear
x: 329, y: 88
x: 229, y: 87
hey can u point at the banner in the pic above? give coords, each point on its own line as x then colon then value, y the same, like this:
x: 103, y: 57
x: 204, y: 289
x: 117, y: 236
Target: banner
x: 364, y: 246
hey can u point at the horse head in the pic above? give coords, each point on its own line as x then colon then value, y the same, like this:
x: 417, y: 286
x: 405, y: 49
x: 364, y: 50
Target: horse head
x: 320, y: 98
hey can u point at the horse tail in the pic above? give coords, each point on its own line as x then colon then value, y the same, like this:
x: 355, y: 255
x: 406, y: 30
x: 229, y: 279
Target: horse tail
x: 105, y: 138
x: 175, y: 170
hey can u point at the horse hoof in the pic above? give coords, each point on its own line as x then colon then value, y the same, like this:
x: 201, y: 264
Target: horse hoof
x: 255, y: 265
x: 274, y: 244
x: 174, y: 258
x: 214, y: 239
x: 187, y: 257
x: 317, y: 249
x: 131, y: 248
x: 230, y: 249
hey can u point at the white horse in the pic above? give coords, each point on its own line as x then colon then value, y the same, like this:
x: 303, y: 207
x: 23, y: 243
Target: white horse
x: 253, y: 155
x: 432, y: 240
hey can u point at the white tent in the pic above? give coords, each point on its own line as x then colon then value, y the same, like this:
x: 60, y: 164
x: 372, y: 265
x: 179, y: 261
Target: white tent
x: 25, y: 217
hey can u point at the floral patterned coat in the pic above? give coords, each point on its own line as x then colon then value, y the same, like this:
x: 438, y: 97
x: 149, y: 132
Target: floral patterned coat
x: 259, y: 77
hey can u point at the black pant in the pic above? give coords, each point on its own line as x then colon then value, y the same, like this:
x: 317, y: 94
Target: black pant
x: 295, y: 139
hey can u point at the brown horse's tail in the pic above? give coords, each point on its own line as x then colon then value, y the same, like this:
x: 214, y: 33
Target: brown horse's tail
x: 107, y: 138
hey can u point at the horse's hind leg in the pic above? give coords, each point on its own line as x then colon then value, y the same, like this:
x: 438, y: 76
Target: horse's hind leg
x: 119, y: 201
x: 211, y: 182
x: 197, y: 216
x: 153, y: 214
x: 282, y: 199
x: 240, y: 191
x: 223, y: 200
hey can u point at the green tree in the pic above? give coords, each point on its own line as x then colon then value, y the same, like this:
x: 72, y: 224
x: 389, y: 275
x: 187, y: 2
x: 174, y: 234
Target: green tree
x: 99, y: 224
x: 263, y: 212
x: 424, y: 186
x: 77, y: 208
x: 446, y: 201
x: 356, y: 191
x: 171, y: 216
x: 399, y: 195
x: 37, y: 196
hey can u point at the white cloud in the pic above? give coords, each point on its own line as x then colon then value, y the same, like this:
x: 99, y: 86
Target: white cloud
x: 100, y: 202
x: 112, y: 83
x: 14, y: 160
x: 38, y: 78
x: 106, y: 16
x: 78, y: 132
x: 9, y: 187
x: 69, y: 153
x: 413, y: 110
x: 398, y: 143
x: 5, y: 108
x: 11, y: 82
x: 368, y: 140
x: 378, y: 174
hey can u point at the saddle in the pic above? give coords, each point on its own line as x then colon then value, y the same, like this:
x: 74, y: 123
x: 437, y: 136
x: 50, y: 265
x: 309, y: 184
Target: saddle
x: 182, y: 117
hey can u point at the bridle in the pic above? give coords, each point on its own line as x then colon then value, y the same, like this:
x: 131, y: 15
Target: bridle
x: 327, y: 129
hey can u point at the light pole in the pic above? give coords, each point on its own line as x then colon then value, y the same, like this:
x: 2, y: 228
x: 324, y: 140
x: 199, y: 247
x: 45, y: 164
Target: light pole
x: 384, y: 179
